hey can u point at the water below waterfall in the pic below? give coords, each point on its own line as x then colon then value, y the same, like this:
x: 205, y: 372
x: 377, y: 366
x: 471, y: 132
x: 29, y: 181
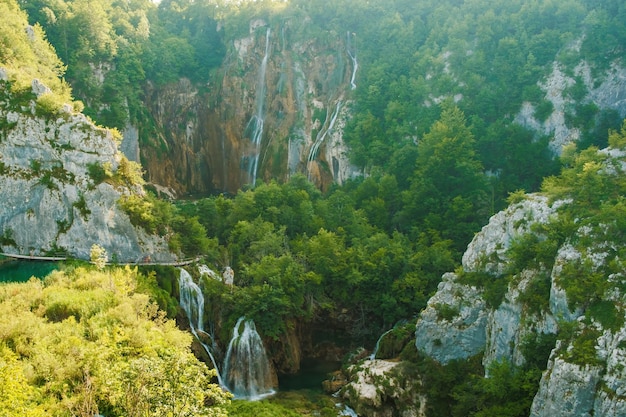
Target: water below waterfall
x: 192, y: 303
x: 22, y: 271
x: 247, y: 371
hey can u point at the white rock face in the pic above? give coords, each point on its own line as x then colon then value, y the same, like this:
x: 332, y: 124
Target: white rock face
x: 50, y: 202
x: 566, y: 390
x: 380, y: 388
x: 458, y: 323
x: 474, y: 327
x: 487, y: 250
x: 460, y: 336
x: 610, y: 93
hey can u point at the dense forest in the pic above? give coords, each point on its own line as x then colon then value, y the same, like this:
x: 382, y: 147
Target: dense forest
x: 432, y: 128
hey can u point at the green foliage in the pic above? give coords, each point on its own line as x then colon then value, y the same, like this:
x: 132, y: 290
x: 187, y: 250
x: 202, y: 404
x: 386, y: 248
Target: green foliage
x: 17, y: 397
x: 494, y: 287
x: 81, y: 206
x: 129, y: 173
x: 99, y: 173
x: 536, y: 296
x: 607, y: 314
x: 26, y: 54
x: 618, y: 139
x: 140, y: 211
x: 448, y: 191
x: 583, y: 348
x: 288, y: 404
x: 93, y: 345
x: 49, y: 104
x: 6, y: 239
x: 544, y: 110
x: 186, y: 233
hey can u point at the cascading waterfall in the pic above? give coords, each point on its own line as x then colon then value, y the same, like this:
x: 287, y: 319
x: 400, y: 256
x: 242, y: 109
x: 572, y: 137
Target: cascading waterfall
x: 321, y: 135
x: 192, y: 303
x: 355, y: 64
x: 256, y: 122
x: 382, y: 336
x: 246, y: 367
x: 373, y: 355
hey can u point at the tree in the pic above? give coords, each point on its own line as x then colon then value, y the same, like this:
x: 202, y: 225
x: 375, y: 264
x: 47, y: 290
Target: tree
x: 448, y: 190
x: 98, y: 256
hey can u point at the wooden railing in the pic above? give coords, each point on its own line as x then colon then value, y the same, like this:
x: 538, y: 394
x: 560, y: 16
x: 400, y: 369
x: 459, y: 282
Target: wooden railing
x: 182, y: 262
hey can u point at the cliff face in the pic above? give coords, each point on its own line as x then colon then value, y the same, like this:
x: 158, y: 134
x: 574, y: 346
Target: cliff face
x: 545, y: 271
x: 52, y: 202
x: 606, y: 91
x: 277, y: 106
x: 458, y: 322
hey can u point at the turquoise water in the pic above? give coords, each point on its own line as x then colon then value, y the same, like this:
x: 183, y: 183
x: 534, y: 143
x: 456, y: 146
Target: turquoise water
x: 312, y: 373
x: 22, y: 271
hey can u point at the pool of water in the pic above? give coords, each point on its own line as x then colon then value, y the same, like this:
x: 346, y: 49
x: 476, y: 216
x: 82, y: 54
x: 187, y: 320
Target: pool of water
x: 22, y: 271
x: 312, y: 373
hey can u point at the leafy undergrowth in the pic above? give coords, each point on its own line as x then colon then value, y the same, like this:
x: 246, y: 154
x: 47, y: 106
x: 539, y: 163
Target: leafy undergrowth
x: 286, y: 404
x: 84, y: 342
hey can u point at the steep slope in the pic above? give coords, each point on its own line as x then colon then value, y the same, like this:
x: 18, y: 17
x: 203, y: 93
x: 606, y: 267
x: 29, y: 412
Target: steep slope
x: 557, y: 260
x: 61, y: 176
x: 542, y: 282
x: 277, y: 108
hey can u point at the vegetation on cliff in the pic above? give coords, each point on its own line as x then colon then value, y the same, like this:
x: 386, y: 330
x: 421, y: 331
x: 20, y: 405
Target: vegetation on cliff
x: 433, y: 126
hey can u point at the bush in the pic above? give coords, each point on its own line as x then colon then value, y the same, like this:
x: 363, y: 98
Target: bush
x: 49, y: 104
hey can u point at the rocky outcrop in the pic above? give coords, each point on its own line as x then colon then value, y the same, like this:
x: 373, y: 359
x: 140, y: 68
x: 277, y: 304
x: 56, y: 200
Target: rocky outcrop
x: 384, y: 389
x: 583, y: 376
x: 605, y: 92
x: 53, y: 203
x: 457, y: 323
x: 202, y: 141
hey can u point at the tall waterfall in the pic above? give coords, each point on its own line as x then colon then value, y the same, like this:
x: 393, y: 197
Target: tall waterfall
x: 355, y: 64
x: 321, y: 135
x: 246, y: 367
x: 255, y: 125
x: 192, y: 302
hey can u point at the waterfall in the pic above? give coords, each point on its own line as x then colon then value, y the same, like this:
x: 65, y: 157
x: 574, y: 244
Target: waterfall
x: 321, y: 135
x: 257, y: 121
x: 346, y: 411
x: 192, y: 303
x: 355, y: 64
x: 373, y: 355
x: 246, y: 367
x: 395, y: 326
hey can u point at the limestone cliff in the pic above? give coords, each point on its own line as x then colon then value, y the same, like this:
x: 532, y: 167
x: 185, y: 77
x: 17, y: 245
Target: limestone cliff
x: 604, y: 92
x: 458, y: 322
x: 52, y: 199
x: 547, y: 269
x: 276, y: 106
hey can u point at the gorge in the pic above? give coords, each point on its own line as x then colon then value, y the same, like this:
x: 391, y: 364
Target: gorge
x: 441, y: 218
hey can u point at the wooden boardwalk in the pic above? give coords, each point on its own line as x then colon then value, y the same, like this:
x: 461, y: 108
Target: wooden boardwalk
x: 35, y: 258
x: 182, y: 262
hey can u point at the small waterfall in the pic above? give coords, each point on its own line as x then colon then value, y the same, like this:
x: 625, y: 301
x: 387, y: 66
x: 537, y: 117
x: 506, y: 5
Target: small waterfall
x: 246, y: 367
x: 373, y: 355
x: 192, y: 302
x: 355, y: 64
x: 395, y: 326
x: 346, y: 411
x: 256, y: 122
